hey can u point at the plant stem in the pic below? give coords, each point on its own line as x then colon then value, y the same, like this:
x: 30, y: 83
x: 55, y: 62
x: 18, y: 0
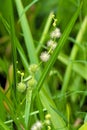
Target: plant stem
x: 45, y: 31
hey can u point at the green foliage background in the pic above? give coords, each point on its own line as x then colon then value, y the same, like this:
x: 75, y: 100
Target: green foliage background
x: 61, y: 83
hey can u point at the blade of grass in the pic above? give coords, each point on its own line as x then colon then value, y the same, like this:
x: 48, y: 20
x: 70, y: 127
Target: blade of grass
x: 27, y: 33
x: 56, y: 119
x: 4, y: 127
x: 27, y: 106
x: 45, y: 31
x: 13, y: 45
x: 13, y: 56
x: 7, y: 27
x: 22, y: 55
x: 39, y: 105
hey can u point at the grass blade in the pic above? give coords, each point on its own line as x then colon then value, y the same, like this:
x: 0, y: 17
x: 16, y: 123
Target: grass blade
x: 12, y: 35
x: 28, y: 105
x: 22, y: 55
x: 45, y: 31
x: 56, y: 119
x: 3, y: 125
x: 27, y: 33
x: 13, y: 54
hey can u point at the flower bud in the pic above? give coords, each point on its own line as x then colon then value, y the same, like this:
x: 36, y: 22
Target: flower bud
x: 33, y: 68
x: 48, y: 116
x: 21, y: 87
x: 44, y: 56
x: 31, y: 82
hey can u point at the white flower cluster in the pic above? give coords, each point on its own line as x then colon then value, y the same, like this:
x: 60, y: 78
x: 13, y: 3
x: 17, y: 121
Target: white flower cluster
x: 56, y: 33
x: 37, y: 126
x: 51, y: 44
x: 44, y: 56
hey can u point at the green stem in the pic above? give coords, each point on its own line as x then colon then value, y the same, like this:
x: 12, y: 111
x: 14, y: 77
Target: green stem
x: 45, y: 31
x: 28, y: 106
x: 13, y: 45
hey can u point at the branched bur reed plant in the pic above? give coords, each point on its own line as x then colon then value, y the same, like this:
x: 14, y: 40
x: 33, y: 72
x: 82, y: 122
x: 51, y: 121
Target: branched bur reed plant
x: 30, y: 82
x: 28, y: 101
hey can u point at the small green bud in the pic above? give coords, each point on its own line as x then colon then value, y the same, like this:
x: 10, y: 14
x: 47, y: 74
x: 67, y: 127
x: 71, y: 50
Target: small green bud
x: 21, y: 87
x: 31, y: 83
x: 33, y: 68
x: 48, y: 116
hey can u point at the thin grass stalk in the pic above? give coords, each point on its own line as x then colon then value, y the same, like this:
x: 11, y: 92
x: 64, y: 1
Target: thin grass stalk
x: 13, y: 45
x: 45, y: 32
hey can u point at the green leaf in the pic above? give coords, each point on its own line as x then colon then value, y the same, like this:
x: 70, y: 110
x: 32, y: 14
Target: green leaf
x: 27, y: 33
x: 56, y: 119
x: 22, y: 55
x: 13, y: 45
x: 45, y: 31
